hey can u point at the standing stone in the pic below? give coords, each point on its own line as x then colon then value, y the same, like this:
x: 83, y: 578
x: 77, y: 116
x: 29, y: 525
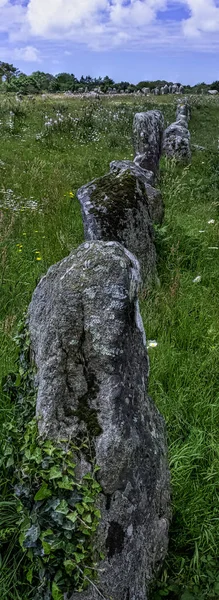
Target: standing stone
x: 139, y: 160
x: 157, y: 91
x: 182, y: 120
x: 166, y: 89
x: 174, y: 88
x: 183, y: 109
x: 155, y: 202
x: 88, y: 342
x: 145, y: 91
x: 147, y: 133
x: 170, y: 89
x: 176, y: 142
x: 117, y: 207
x: 181, y: 89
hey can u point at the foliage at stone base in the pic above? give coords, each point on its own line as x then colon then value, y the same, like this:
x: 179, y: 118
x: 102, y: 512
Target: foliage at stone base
x: 46, y: 510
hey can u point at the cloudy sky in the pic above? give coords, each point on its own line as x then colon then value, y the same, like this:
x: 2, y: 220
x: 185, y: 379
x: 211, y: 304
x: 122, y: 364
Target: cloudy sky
x: 132, y: 40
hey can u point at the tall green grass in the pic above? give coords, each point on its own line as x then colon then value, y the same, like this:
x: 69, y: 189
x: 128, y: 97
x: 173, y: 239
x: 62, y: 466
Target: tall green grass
x: 40, y: 223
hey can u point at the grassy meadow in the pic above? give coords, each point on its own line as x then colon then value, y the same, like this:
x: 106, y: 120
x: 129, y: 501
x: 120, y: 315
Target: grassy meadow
x: 50, y: 147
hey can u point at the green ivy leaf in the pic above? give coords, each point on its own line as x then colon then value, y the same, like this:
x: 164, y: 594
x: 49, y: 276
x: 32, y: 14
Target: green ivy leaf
x: 79, y: 508
x: 87, y: 518
x: 43, y: 493
x: 78, y: 557
x: 30, y: 575
x: 56, y: 592
x: 46, y: 547
x: 65, y: 484
x: 49, y: 448
x: 69, y: 566
x: 55, y: 473
x: 37, y: 456
x: 46, y: 533
x: 62, y: 508
x: 73, y: 516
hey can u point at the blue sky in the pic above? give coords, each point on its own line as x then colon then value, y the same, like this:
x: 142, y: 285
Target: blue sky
x: 132, y: 40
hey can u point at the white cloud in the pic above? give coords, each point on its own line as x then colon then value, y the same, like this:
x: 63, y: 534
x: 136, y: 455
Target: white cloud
x: 53, y: 16
x: 204, y: 17
x: 44, y: 17
x: 27, y: 54
x: 107, y: 24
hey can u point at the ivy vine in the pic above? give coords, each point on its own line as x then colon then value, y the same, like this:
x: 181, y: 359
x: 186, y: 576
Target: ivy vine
x: 55, y: 515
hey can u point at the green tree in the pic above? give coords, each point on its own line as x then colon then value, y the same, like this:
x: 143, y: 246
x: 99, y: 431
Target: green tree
x: 7, y: 71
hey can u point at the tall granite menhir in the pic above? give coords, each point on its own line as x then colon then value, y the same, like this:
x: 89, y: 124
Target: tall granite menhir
x: 147, y: 137
x: 121, y: 206
x: 176, y: 138
x: 89, y: 346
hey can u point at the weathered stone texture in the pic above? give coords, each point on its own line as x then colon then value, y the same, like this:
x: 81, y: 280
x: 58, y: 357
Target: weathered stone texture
x: 147, y: 136
x: 116, y: 207
x: 183, y: 109
x: 176, y: 142
x: 155, y: 201
x: 88, y: 343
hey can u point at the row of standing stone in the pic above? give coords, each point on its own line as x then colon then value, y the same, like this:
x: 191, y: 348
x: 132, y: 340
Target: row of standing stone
x: 89, y: 347
x: 124, y: 204
x: 176, y: 139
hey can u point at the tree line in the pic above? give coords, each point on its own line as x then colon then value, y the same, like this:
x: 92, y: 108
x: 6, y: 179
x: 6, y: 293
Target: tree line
x: 13, y: 80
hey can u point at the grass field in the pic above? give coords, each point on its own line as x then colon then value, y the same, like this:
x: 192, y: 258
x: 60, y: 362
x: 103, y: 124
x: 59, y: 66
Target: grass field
x: 49, y: 148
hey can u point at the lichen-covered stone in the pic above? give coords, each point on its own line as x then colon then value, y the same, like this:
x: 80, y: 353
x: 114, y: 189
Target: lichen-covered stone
x: 182, y: 120
x: 183, y: 109
x: 139, y: 161
x: 176, y: 142
x: 147, y: 136
x: 88, y: 344
x: 116, y: 207
x: 156, y: 205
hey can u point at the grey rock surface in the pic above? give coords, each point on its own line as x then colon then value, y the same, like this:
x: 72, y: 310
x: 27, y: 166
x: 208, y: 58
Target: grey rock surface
x: 147, y: 136
x: 155, y: 201
x: 182, y: 120
x: 145, y: 90
x: 116, y: 207
x: 139, y: 160
x: 176, y: 142
x: 88, y: 343
x: 183, y: 110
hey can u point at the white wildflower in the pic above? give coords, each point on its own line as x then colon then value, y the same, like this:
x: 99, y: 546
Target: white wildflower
x: 152, y: 344
x: 197, y: 279
x: 211, y: 222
